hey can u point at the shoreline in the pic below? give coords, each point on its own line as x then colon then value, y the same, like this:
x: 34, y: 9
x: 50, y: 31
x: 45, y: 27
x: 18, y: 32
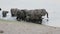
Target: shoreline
x: 16, y: 27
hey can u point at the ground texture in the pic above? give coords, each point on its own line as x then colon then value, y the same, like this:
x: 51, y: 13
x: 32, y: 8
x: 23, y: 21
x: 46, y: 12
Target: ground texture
x: 15, y: 27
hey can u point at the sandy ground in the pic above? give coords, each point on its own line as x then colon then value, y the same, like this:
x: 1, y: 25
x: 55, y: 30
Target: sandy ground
x: 15, y: 27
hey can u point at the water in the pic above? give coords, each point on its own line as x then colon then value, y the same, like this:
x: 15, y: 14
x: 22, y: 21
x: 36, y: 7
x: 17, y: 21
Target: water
x: 8, y: 17
x: 52, y: 7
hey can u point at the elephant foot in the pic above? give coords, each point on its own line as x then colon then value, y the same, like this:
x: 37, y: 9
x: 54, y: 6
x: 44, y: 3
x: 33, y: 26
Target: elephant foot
x: 17, y: 19
x: 34, y: 20
x: 3, y: 16
x: 40, y: 21
x: 12, y: 15
x: 23, y: 19
x: 28, y: 20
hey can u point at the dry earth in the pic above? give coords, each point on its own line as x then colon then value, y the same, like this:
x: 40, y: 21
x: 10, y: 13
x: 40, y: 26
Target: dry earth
x: 15, y: 27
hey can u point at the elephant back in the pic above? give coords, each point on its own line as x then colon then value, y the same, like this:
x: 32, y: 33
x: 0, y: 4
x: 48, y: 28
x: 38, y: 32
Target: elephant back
x: 32, y: 14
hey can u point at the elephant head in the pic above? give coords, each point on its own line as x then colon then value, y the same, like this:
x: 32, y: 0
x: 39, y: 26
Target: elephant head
x: 44, y: 12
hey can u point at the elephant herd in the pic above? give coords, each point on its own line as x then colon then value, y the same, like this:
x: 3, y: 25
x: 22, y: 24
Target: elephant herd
x: 34, y: 15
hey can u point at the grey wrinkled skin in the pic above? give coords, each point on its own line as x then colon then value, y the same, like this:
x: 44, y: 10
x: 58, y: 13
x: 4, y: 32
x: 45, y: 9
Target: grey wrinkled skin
x: 36, y: 15
x: 32, y: 16
x: 21, y: 15
x: 29, y: 15
x: 4, y: 13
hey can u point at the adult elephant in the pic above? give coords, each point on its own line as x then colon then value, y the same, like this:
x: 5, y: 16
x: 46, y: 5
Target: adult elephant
x: 14, y: 11
x: 4, y: 13
x: 36, y: 15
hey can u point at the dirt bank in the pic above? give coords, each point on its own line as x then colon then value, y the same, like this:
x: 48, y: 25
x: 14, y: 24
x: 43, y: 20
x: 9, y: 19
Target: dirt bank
x: 15, y: 27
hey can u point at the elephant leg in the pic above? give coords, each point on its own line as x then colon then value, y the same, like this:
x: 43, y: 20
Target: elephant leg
x: 22, y: 18
x: 36, y: 21
x: 28, y: 19
x: 40, y: 21
x: 18, y: 19
x: 12, y: 15
x: 33, y: 20
x: 4, y: 15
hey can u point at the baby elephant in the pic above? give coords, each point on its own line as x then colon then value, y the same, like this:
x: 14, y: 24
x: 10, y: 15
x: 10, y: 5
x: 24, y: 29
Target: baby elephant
x: 4, y: 13
x: 21, y: 15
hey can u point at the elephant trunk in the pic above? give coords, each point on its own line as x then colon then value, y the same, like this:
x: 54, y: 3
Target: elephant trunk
x: 47, y: 15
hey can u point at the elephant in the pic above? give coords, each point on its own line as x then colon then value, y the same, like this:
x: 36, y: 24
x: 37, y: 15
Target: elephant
x: 14, y: 12
x: 4, y: 13
x: 31, y: 15
x: 21, y: 15
x: 36, y: 15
